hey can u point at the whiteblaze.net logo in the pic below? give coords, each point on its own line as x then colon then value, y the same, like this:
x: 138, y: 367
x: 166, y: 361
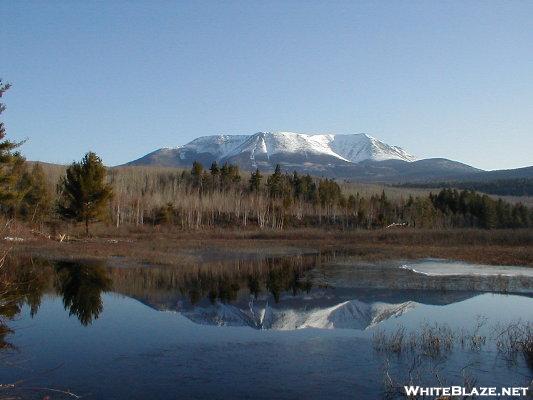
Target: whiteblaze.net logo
x: 466, y: 392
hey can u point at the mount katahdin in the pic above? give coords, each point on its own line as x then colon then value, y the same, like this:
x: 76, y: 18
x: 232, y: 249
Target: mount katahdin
x: 358, y: 157
x: 264, y: 149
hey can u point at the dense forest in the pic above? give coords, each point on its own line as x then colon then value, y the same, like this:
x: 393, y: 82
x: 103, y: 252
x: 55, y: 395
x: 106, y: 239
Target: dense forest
x: 500, y: 187
x: 222, y: 196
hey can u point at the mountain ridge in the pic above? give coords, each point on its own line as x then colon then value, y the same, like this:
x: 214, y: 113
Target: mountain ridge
x: 262, y: 146
x: 356, y: 157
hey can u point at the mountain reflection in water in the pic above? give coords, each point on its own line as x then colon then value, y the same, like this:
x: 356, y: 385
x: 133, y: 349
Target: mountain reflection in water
x: 96, y: 330
x: 281, y: 293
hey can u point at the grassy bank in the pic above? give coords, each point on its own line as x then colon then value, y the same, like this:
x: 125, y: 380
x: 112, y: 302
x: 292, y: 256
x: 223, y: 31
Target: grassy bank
x: 167, y: 246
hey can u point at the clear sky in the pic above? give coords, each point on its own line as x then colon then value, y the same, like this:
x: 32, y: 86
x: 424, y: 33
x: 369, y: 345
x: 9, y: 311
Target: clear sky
x: 447, y: 79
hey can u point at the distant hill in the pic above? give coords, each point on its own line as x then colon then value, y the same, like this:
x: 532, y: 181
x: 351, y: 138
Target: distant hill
x: 397, y: 171
x: 517, y: 173
x: 431, y: 172
x: 500, y: 187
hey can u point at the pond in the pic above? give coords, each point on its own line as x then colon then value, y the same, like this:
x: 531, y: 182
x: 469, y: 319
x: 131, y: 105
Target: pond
x: 289, y: 327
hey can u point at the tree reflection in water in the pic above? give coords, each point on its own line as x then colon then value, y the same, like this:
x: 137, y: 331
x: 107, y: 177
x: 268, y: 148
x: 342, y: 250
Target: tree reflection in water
x: 287, y: 278
x: 23, y: 281
x: 275, y: 275
x: 81, y: 287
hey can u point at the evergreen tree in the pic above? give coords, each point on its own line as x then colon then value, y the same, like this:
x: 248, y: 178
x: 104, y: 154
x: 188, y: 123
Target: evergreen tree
x: 255, y: 181
x: 309, y: 189
x: 214, y: 169
x: 83, y: 193
x: 234, y: 174
x: 329, y: 192
x: 274, y: 183
x: 488, y: 217
x: 11, y: 162
x: 297, y: 185
x: 36, y: 199
x: 196, y: 173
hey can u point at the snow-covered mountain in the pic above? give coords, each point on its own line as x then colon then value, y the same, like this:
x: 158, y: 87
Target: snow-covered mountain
x: 351, y: 314
x: 265, y: 149
x: 359, y: 157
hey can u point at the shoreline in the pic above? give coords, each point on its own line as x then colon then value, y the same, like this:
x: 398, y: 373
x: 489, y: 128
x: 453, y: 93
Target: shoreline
x: 166, y: 247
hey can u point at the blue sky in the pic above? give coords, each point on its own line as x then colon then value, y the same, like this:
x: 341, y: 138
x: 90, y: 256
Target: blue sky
x: 447, y: 79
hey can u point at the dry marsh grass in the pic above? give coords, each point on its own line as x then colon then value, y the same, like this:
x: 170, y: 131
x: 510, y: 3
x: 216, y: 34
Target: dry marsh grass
x: 429, y: 340
x: 516, y: 339
x: 429, y: 347
x: 164, y: 245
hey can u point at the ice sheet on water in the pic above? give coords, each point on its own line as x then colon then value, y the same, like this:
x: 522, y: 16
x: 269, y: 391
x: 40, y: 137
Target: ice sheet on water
x: 446, y: 268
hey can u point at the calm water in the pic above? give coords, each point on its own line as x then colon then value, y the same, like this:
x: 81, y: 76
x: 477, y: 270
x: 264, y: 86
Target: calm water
x: 287, y: 328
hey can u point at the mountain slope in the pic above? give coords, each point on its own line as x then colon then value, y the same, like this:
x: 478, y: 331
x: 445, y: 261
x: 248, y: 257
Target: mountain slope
x: 356, y: 148
x: 356, y: 157
x: 397, y: 171
x: 265, y: 149
x: 205, y: 150
x: 517, y: 173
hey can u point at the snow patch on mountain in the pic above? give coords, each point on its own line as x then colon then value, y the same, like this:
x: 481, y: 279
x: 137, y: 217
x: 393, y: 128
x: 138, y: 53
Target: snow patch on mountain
x: 217, y: 145
x: 360, y: 147
x: 269, y: 143
x: 350, y: 148
x: 264, y: 150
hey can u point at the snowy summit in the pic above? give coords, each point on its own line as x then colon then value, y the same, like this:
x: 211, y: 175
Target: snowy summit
x: 264, y: 149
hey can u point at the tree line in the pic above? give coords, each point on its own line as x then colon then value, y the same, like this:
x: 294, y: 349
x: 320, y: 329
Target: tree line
x: 221, y: 195
x: 224, y: 197
x: 82, y: 194
x: 501, y: 187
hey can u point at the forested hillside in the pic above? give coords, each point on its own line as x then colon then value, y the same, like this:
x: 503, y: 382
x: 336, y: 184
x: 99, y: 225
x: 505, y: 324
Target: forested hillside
x: 221, y: 196
x: 225, y: 197
x: 502, y: 187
